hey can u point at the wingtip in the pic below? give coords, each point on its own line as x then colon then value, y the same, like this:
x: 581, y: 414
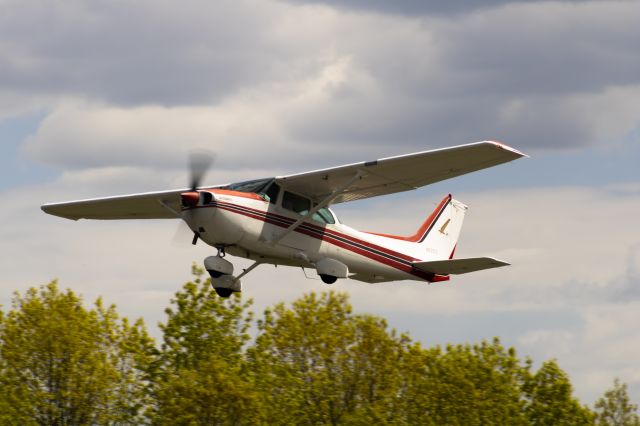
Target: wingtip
x: 508, y: 148
x: 50, y: 209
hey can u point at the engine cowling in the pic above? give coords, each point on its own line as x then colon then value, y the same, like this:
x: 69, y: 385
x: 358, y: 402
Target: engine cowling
x: 190, y: 199
x: 194, y: 198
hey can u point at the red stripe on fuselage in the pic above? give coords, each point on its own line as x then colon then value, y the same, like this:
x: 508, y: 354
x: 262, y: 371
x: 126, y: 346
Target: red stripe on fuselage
x: 330, y: 236
x: 288, y: 221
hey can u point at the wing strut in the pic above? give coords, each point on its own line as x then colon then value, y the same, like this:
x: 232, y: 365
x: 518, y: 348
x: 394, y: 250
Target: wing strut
x: 325, y: 202
x: 249, y: 269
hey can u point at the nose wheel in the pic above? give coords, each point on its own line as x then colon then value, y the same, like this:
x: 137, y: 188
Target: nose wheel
x: 223, y: 292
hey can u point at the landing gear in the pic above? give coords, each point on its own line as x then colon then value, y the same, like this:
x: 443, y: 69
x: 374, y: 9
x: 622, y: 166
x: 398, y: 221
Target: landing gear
x: 328, y: 279
x: 221, y: 271
x: 331, y: 269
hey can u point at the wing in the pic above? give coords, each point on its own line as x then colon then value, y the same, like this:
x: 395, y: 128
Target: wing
x: 149, y: 205
x: 459, y: 266
x: 397, y: 174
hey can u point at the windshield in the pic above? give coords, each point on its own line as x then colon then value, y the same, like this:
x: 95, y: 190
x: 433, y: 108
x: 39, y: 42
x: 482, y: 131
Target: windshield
x: 256, y: 186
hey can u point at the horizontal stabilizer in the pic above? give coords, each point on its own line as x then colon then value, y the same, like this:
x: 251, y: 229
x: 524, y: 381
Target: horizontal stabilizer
x: 459, y: 266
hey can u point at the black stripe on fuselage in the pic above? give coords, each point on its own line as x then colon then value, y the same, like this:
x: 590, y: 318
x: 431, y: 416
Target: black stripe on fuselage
x: 324, y: 234
x: 317, y: 231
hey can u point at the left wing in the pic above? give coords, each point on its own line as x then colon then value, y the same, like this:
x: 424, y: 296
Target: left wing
x: 397, y: 174
x: 459, y: 266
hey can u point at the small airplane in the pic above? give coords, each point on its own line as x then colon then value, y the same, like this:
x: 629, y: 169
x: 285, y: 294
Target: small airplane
x: 286, y: 220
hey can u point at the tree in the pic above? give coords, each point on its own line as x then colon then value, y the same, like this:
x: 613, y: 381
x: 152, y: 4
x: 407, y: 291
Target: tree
x: 550, y: 401
x: 317, y: 363
x: 464, y: 385
x: 615, y: 408
x: 202, y: 375
x: 63, y: 364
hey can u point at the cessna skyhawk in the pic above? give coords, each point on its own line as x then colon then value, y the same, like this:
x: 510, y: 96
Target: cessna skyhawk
x: 286, y: 220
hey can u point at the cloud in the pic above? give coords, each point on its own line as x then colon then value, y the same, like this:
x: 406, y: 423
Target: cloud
x: 410, y: 7
x: 539, y: 75
x: 143, y: 52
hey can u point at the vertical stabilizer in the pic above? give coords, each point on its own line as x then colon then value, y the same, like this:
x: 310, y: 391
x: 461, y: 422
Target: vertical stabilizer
x: 441, y: 231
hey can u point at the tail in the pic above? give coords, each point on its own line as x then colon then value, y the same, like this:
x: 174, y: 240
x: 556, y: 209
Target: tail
x: 440, y: 232
x: 439, y: 235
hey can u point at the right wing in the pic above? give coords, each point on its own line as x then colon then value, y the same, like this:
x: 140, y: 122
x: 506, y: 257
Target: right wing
x: 397, y: 174
x: 459, y: 266
x: 148, y: 205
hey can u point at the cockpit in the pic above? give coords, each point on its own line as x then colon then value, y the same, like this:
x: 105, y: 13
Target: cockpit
x: 271, y: 191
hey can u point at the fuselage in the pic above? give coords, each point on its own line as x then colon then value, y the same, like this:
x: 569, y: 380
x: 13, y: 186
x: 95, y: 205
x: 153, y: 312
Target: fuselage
x: 250, y: 226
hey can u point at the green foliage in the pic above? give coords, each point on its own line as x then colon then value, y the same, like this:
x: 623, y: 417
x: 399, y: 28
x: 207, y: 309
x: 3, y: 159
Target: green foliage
x: 63, y: 364
x: 615, y: 408
x: 313, y: 362
x: 201, y: 324
x: 550, y: 401
x: 317, y: 363
x: 466, y: 385
x: 202, y: 377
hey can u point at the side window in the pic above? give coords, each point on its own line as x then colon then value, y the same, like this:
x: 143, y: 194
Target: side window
x: 296, y: 203
x: 272, y: 193
x: 324, y: 215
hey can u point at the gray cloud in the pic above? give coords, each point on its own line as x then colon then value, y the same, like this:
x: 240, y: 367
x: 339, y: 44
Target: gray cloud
x: 136, y: 53
x: 316, y: 82
x: 410, y: 7
x: 525, y: 73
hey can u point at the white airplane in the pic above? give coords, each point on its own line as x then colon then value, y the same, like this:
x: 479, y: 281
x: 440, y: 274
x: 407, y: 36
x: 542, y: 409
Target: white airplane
x: 286, y: 220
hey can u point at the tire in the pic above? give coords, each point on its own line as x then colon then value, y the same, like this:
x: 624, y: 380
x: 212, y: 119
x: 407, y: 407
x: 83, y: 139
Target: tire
x: 328, y: 279
x: 223, y: 292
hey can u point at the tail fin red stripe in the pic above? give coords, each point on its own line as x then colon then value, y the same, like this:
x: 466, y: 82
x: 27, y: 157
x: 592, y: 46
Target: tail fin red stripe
x: 428, y: 223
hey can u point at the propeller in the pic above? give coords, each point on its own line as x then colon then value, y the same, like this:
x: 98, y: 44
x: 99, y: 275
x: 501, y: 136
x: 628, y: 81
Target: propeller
x: 200, y: 161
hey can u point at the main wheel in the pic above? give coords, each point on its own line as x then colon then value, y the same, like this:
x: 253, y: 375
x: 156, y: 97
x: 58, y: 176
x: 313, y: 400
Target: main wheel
x: 223, y: 292
x: 328, y: 279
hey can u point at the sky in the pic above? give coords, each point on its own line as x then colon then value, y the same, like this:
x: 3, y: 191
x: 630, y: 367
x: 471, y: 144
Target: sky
x: 102, y: 98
